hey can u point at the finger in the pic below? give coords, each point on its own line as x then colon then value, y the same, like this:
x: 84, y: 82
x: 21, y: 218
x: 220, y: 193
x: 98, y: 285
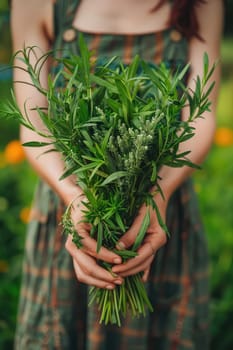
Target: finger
x: 154, y: 241
x: 136, y: 269
x: 146, y: 275
x: 92, y: 281
x: 87, y: 269
x: 145, y: 253
x: 89, y: 245
x: 128, y: 238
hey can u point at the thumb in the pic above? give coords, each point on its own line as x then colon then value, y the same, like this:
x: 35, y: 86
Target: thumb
x: 128, y: 239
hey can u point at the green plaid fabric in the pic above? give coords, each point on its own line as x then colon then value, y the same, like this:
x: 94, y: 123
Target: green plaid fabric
x: 53, y: 312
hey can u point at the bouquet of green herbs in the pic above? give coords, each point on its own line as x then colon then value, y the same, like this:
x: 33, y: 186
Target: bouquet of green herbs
x: 115, y: 126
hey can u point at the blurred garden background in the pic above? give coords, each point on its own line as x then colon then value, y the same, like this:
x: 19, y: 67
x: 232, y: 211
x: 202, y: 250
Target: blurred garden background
x: 214, y: 185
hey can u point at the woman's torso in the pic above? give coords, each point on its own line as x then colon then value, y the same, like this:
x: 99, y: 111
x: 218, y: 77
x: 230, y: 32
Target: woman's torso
x: 109, y: 16
x: 121, y: 17
x: 153, y: 43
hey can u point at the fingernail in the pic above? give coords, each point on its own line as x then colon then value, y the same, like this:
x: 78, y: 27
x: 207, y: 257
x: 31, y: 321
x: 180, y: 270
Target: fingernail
x: 120, y: 246
x: 118, y: 281
x: 110, y: 287
x: 117, y: 260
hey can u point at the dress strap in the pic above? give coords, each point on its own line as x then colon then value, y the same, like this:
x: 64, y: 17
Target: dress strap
x: 64, y: 12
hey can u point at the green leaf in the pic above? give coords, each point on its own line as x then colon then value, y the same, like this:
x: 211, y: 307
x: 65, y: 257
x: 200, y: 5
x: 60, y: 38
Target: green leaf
x: 133, y: 67
x: 206, y: 64
x: 99, y: 236
x: 102, y: 82
x: 85, y: 167
x: 96, y: 171
x: 141, y: 234
x: 120, y: 222
x: 37, y: 144
x: 105, y: 140
x: 83, y: 112
x: 113, y: 177
x: 154, y: 172
x: 160, y: 220
x: 125, y: 254
x: 179, y: 76
x: 85, y: 55
x: 68, y: 172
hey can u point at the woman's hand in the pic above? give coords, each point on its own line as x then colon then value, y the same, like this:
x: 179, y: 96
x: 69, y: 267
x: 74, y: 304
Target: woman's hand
x: 85, y: 259
x: 154, y: 239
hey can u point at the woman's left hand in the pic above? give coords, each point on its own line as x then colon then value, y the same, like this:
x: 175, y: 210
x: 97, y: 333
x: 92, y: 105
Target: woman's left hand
x: 154, y: 239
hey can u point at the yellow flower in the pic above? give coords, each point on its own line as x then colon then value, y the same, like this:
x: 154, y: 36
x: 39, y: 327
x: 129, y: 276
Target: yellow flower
x: 25, y: 215
x: 14, y: 152
x: 223, y: 137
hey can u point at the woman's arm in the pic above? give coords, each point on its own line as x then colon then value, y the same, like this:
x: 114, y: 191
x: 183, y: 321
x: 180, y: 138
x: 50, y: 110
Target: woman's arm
x: 199, y: 145
x: 29, y: 23
x: 32, y: 23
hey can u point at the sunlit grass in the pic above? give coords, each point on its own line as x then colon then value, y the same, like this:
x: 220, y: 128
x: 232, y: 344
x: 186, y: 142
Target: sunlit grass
x: 225, y: 104
x: 227, y: 50
x: 214, y: 184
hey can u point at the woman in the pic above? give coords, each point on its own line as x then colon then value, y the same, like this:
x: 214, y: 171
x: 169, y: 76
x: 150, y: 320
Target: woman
x: 53, y: 310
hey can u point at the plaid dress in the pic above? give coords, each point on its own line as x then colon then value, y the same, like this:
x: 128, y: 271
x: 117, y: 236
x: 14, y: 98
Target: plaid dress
x: 53, y: 311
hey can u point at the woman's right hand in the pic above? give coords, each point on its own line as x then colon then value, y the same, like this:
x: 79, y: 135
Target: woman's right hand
x: 85, y: 259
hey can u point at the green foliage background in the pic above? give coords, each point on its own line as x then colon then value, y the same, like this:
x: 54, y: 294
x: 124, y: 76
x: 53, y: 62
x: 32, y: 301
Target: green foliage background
x: 214, y: 185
